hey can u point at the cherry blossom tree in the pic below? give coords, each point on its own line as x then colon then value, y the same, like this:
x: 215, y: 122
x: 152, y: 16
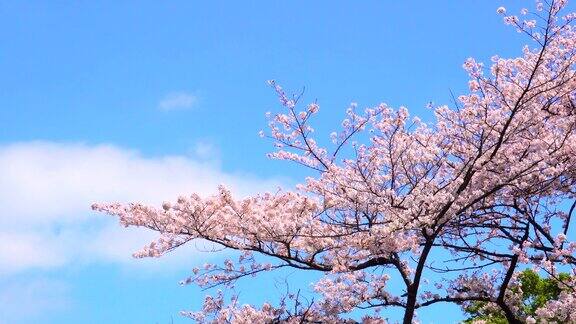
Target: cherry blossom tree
x: 467, y: 201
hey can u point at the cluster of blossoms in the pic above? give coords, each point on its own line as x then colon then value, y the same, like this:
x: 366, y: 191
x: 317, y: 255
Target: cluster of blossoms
x: 561, y: 310
x: 215, y: 309
x: 487, y: 182
x: 346, y: 291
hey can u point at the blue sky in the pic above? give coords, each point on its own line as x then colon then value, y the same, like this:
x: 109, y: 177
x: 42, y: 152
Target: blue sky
x: 119, y: 100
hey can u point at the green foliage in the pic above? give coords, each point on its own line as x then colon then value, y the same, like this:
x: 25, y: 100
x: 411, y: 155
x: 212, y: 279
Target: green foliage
x: 477, y: 313
x: 536, y: 292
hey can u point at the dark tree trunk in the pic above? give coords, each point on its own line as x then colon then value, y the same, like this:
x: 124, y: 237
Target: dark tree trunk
x: 412, y: 297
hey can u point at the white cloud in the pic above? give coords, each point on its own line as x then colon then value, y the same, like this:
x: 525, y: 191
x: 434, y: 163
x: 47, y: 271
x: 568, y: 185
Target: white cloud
x: 205, y: 151
x: 178, y: 101
x: 24, y: 250
x: 46, y: 190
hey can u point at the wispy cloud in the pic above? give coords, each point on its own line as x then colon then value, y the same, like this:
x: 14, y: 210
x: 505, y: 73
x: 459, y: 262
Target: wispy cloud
x: 178, y: 101
x: 46, y: 190
x: 205, y: 150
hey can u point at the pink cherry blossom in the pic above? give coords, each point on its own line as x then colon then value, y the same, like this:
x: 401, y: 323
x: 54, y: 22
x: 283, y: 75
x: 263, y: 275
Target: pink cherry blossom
x: 473, y: 195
